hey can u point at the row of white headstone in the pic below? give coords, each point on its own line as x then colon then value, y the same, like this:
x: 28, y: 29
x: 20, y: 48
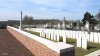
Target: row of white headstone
x: 81, y: 36
x: 92, y: 37
x: 54, y: 35
x: 82, y: 42
x: 50, y: 35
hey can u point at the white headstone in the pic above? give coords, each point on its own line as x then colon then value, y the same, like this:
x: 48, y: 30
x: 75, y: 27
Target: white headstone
x: 60, y: 31
x: 46, y: 34
x: 96, y: 37
x: 77, y: 34
x: 88, y: 36
x: 99, y: 37
x: 68, y: 33
x: 74, y: 34
x: 49, y: 36
x: 91, y: 36
x: 43, y: 34
x: 64, y: 38
x: 79, y: 42
x: 55, y: 37
x: 52, y: 35
x: 58, y: 37
x: 84, y: 43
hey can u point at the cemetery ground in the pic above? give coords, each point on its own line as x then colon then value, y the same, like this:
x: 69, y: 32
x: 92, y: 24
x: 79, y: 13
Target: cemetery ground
x: 91, y: 47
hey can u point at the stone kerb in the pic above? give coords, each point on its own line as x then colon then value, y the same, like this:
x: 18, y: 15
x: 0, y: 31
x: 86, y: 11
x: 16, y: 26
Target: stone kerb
x: 42, y: 46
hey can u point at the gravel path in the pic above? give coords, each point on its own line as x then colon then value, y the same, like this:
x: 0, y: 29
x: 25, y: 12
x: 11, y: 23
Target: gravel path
x: 9, y: 46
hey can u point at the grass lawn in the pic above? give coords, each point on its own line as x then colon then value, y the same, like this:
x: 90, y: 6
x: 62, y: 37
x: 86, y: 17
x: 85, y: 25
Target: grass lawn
x: 78, y: 51
x: 90, y: 48
x: 81, y: 52
x: 35, y: 33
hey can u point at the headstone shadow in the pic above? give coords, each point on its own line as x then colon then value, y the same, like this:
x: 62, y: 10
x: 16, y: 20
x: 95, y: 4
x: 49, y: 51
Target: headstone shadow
x: 90, y: 47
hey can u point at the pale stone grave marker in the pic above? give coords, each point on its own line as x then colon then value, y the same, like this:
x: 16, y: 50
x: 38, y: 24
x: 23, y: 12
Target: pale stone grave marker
x: 88, y: 36
x: 99, y: 37
x: 79, y: 39
x: 48, y: 35
x: 96, y: 37
x: 64, y: 38
x: 54, y: 36
x: 84, y: 43
x: 58, y: 36
x: 91, y: 36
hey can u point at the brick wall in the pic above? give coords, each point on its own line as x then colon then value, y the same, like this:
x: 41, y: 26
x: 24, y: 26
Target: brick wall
x: 37, y: 48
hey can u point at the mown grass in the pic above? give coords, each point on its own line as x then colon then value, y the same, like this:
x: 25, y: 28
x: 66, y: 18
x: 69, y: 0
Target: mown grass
x: 78, y: 51
x: 91, y: 47
x: 38, y: 34
x: 35, y: 33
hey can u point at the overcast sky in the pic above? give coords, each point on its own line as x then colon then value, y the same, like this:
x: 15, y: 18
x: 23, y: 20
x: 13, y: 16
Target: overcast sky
x: 71, y: 9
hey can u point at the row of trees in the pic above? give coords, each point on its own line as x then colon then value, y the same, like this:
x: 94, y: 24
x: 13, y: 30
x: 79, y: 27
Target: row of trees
x: 93, y: 20
x: 28, y: 20
x: 87, y: 17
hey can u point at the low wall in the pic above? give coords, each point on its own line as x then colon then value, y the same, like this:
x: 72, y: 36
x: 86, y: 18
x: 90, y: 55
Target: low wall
x: 42, y: 47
